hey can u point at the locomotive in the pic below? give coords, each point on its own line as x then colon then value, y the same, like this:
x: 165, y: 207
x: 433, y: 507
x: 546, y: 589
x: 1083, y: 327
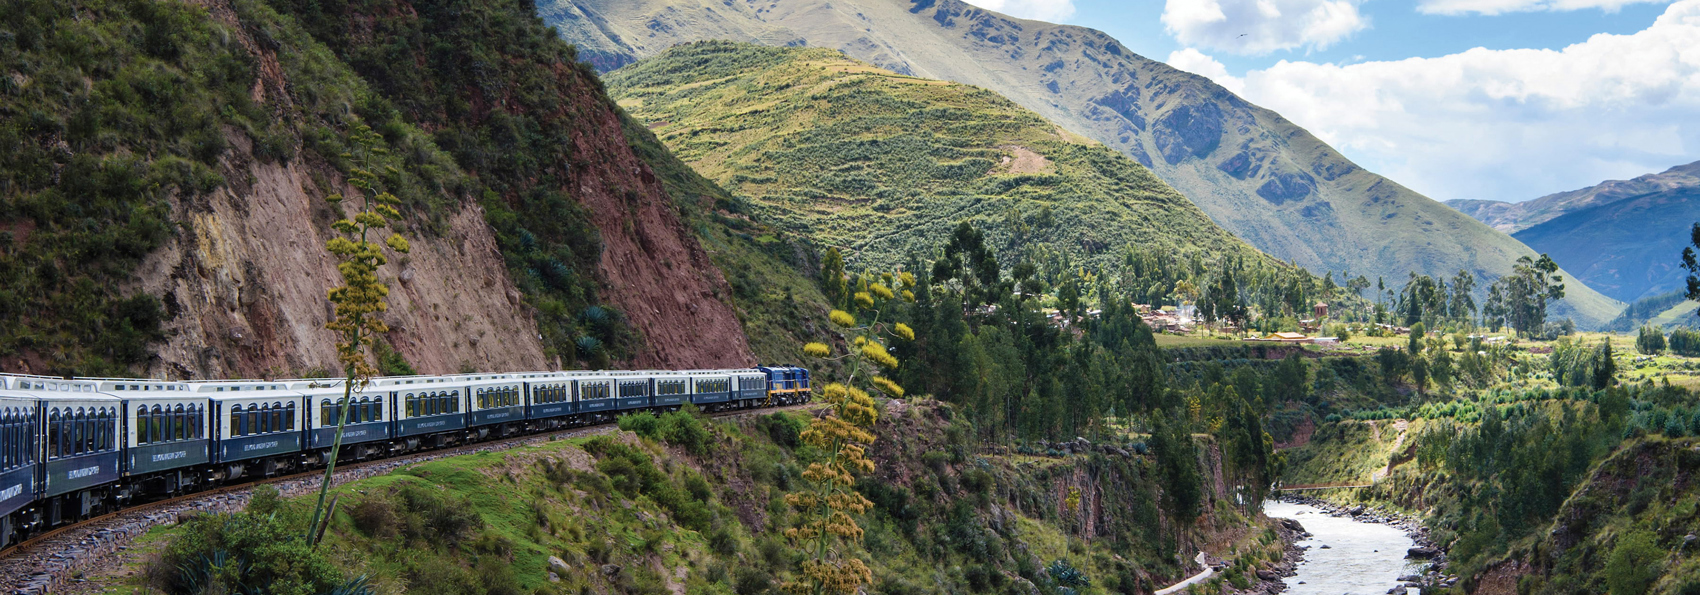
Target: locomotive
x: 74, y: 448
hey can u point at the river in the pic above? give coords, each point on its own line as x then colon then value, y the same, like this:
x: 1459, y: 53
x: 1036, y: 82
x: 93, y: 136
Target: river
x: 1361, y: 559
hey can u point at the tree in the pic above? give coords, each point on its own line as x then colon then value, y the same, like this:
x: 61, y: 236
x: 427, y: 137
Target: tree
x: 360, y: 300
x: 1068, y: 300
x: 1177, y: 464
x: 1462, y: 306
x: 1606, y: 367
x: 1418, y: 332
x: 832, y: 281
x: 1523, y: 296
x: 1651, y: 340
x: 1690, y: 264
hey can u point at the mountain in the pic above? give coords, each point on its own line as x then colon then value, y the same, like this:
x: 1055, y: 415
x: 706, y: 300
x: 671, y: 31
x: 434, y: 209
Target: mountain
x: 164, y: 209
x: 884, y: 165
x: 1512, y: 217
x: 1664, y: 311
x: 1628, y: 249
x: 1252, y: 171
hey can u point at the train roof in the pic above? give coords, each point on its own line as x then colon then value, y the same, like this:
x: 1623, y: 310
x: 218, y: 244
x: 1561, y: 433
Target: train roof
x: 50, y: 387
x: 245, y: 389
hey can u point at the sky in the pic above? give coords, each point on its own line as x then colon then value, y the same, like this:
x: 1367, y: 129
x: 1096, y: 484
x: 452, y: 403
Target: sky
x: 1457, y: 99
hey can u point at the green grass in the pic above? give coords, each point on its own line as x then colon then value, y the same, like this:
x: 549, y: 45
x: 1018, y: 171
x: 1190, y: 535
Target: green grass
x: 886, y: 165
x: 1168, y: 340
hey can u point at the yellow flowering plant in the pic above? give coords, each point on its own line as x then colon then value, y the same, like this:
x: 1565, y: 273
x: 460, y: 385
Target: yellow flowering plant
x: 829, y: 500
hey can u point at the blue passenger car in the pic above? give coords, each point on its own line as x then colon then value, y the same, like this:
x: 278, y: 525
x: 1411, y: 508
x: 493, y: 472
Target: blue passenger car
x: 708, y: 388
x: 365, y: 416
x: 671, y: 389
x: 81, y: 444
x: 425, y: 405
x: 549, y: 395
x: 633, y: 390
x: 496, y: 399
x: 255, y: 421
x: 18, y: 455
x: 165, y: 432
x: 595, y: 394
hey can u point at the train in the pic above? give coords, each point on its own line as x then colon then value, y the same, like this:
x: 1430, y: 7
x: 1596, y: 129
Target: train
x: 74, y: 448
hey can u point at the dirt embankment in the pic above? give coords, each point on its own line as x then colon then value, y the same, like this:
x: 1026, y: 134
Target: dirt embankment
x: 652, y: 267
x: 246, y: 276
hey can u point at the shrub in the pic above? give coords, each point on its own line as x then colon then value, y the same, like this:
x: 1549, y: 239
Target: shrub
x: 642, y: 423
x: 244, y: 553
x: 683, y: 429
x: 1633, y: 565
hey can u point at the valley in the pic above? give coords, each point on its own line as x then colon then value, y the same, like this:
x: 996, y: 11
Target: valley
x: 861, y: 297
x: 1254, y: 172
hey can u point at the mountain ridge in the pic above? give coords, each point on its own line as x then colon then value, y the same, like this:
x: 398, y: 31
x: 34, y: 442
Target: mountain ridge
x: 1255, y: 173
x: 1515, y: 217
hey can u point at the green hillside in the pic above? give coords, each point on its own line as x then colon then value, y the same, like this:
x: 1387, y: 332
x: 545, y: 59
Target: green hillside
x: 886, y: 164
x: 1255, y: 173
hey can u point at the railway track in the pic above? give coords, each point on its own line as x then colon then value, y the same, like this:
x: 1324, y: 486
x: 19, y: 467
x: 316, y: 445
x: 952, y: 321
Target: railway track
x: 51, y: 561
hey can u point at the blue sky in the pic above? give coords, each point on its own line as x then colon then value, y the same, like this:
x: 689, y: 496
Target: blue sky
x: 1492, y: 99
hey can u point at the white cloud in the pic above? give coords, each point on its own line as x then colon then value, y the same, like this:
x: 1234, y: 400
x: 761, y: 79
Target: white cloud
x: 1041, y: 10
x: 1503, y: 124
x: 1262, y: 26
x: 1198, y: 63
x: 1492, y: 7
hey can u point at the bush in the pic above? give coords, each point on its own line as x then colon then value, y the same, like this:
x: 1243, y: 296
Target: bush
x: 642, y: 423
x: 246, y: 553
x: 1633, y: 565
x: 682, y: 429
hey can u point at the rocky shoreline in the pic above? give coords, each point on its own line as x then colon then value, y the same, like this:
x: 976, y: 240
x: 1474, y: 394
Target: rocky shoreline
x: 1425, y: 549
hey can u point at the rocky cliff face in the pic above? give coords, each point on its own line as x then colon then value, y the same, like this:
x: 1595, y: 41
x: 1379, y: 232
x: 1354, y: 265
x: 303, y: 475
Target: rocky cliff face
x: 525, y: 205
x: 246, y: 279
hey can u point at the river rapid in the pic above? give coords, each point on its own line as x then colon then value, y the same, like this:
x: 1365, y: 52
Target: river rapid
x: 1361, y: 558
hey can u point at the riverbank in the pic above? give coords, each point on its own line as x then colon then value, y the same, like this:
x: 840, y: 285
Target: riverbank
x: 1424, y: 547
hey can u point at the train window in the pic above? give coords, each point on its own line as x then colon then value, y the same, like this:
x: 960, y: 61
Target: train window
x: 253, y: 419
x: 236, y: 421
x: 265, y: 418
x: 142, y: 425
x: 325, y: 414
x: 411, y: 408
x: 179, y: 423
x: 76, y: 442
x: 276, y: 422
x: 6, y: 439
x: 107, y: 431
x: 377, y: 410
x: 54, y: 434
x: 289, y: 417
x: 155, y: 421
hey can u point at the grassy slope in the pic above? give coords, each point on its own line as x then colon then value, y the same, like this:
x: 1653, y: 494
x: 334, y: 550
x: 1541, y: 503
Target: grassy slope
x: 1257, y: 174
x: 886, y: 165
x: 947, y: 521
